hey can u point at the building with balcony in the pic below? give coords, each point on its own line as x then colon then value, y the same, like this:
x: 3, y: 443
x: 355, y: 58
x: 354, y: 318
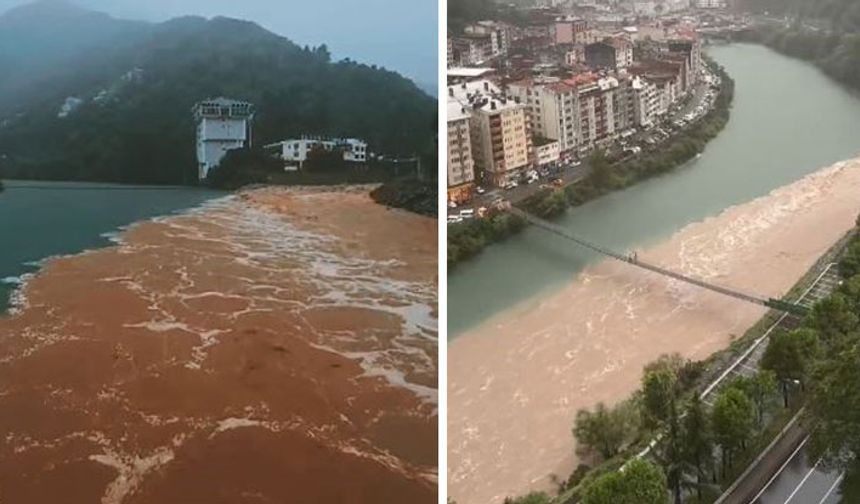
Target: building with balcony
x: 500, y: 132
x: 223, y: 124
x: 461, y: 165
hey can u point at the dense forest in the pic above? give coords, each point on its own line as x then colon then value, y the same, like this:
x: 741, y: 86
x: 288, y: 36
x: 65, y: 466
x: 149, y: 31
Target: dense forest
x: 824, y: 32
x: 838, y: 15
x: 134, y: 122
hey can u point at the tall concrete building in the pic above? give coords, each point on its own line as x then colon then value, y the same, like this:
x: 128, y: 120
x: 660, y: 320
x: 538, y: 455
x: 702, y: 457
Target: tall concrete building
x: 597, y: 102
x: 223, y: 124
x: 613, y: 53
x: 461, y: 165
x: 552, y: 108
x: 646, y: 101
x: 500, y: 132
x: 568, y: 30
x: 498, y: 33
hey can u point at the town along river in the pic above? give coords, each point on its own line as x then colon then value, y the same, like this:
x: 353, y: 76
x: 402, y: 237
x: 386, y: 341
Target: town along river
x: 788, y: 120
x: 43, y: 219
x: 539, y: 327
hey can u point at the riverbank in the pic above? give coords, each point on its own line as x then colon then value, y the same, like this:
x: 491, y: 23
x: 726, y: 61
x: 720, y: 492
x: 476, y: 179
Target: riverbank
x: 516, y: 382
x: 836, y: 53
x: 468, y: 239
x: 409, y: 194
x: 215, y: 347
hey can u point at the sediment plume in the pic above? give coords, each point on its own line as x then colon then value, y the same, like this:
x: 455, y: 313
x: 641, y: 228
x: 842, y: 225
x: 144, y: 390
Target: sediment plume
x: 278, y: 345
x: 516, y: 383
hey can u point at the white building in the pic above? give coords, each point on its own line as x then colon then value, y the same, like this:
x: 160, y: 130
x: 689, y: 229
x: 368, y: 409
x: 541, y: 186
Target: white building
x: 547, y: 153
x: 294, y: 152
x: 461, y: 165
x: 553, y: 110
x: 711, y: 4
x: 498, y: 32
x: 646, y: 99
x: 222, y: 125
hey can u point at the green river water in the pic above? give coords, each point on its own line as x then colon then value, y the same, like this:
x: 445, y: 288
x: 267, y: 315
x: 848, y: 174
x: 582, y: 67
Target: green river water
x: 67, y: 218
x: 787, y: 121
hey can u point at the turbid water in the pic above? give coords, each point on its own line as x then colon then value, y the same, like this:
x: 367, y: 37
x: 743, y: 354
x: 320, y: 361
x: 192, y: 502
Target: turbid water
x: 545, y: 329
x: 279, y: 345
x: 788, y: 120
x: 66, y: 217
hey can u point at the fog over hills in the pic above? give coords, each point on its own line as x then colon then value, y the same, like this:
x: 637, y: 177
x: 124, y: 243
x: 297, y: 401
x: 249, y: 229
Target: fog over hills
x: 136, y: 83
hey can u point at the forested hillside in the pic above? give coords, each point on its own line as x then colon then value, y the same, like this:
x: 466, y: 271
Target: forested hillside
x: 840, y: 15
x: 137, y: 89
x: 825, y: 32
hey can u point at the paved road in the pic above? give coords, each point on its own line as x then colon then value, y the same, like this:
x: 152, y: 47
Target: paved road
x: 571, y: 174
x: 801, y: 480
x: 784, y: 474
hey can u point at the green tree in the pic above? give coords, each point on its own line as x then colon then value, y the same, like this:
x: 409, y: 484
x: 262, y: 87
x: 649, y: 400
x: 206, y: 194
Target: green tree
x: 640, y: 482
x: 531, y: 498
x: 732, y: 419
x: 833, y: 408
x: 789, y: 355
x: 659, y: 392
x: 759, y: 388
x: 697, y: 441
x: 601, y: 169
x: 605, y: 430
x: 832, y: 318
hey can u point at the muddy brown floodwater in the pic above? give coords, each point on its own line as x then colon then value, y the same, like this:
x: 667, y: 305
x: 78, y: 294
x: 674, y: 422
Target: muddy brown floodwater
x: 279, y: 345
x: 516, y: 382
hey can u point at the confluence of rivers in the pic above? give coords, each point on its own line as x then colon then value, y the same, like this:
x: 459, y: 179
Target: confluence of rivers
x: 539, y: 328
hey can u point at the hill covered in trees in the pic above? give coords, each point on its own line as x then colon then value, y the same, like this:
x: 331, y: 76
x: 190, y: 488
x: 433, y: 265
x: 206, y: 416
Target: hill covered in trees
x: 839, y: 15
x: 137, y: 82
x: 824, y: 32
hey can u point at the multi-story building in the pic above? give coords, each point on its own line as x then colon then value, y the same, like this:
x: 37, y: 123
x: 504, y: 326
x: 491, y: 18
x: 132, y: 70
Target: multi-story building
x: 552, y: 107
x: 624, y: 104
x: 568, y: 30
x: 690, y: 48
x: 294, y: 152
x: 499, y: 33
x: 613, y: 53
x: 645, y: 100
x: 502, y: 141
x: 472, y: 49
x: 596, y: 111
x: 223, y: 124
x: 711, y: 4
x: 575, y: 56
x: 461, y: 165
x: 500, y: 132
x: 547, y: 152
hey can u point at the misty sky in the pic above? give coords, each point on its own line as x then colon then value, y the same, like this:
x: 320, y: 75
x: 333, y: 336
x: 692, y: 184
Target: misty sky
x: 400, y: 35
